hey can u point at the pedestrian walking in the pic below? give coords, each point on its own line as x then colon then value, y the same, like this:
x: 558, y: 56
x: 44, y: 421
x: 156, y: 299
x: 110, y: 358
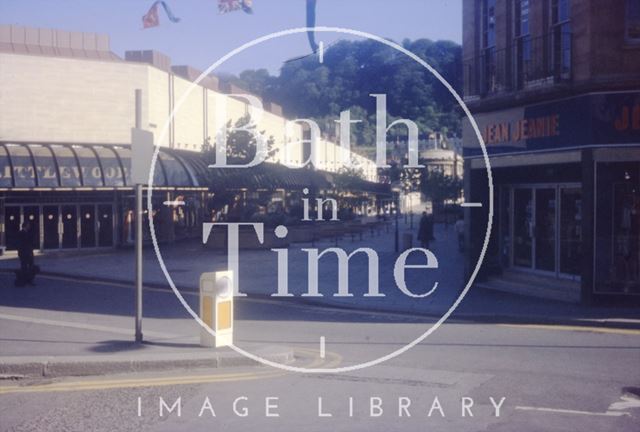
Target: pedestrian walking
x: 425, y: 230
x: 28, y: 269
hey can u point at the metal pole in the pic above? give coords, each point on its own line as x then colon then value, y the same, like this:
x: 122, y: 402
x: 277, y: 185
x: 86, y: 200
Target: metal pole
x: 397, y: 230
x: 139, y: 217
x: 404, y: 207
x: 411, y: 211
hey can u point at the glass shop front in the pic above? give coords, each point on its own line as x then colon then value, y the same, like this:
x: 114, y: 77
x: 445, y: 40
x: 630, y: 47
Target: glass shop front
x: 80, y: 196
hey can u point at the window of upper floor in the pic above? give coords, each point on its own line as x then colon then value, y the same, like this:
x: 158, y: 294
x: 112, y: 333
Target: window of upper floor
x: 632, y: 21
x: 537, y: 50
x: 521, y: 18
x: 560, y: 11
x: 488, y: 23
x: 522, y: 31
x: 561, y: 37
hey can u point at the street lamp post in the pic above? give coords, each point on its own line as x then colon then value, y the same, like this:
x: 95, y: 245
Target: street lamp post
x: 411, y: 211
x: 396, y: 188
x: 138, y: 189
x: 141, y: 155
x: 397, y: 230
x: 404, y: 209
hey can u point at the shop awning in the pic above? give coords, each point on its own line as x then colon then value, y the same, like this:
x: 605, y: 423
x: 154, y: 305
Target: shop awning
x: 275, y: 176
x: 53, y: 166
x: 266, y: 176
x: 356, y: 184
x: 81, y: 166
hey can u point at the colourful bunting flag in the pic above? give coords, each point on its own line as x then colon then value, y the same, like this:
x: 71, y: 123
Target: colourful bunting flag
x: 170, y: 15
x: 225, y: 6
x: 151, y: 18
x: 311, y: 23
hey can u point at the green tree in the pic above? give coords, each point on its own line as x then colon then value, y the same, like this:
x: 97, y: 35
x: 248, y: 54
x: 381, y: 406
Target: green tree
x: 351, y: 71
x: 241, y: 148
x: 439, y: 187
x: 242, y: 144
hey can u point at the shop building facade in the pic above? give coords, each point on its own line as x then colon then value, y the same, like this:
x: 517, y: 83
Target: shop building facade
x: 76, y: 90
x: 81, y: 196
x: 554, y: 87
x: 67, y: 106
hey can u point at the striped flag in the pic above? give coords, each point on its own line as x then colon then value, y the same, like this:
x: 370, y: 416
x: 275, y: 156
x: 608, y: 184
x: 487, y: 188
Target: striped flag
x: 151, y: 18
x: 225, y: 6
x: 311, y: 23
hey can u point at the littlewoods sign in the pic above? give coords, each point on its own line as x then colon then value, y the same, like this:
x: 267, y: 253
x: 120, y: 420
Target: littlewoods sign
x: 594, y: 119
x: 21, y: 171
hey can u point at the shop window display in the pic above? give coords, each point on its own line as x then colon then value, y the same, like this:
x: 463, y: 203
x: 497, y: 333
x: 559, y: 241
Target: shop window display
x: 618, y: 228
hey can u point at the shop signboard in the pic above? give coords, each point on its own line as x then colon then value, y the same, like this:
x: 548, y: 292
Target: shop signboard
x: 594, y: 119
x: 67, y: 170
x: 142, y: 153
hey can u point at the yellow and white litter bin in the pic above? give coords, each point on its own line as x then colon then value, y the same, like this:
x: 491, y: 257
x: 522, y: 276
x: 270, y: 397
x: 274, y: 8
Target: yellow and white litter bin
x: 216, y: 308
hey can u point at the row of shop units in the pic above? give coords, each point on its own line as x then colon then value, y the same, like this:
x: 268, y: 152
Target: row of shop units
x: 80, y: 196
x: 96, y: 219
x: 566, y: 198
x: 567, y: 227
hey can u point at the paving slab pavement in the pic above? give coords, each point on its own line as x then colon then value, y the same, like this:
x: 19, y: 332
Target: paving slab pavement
x: 69, y: 328
x: 12, y: 367
x: 258, y: 278
x: 88, y: 332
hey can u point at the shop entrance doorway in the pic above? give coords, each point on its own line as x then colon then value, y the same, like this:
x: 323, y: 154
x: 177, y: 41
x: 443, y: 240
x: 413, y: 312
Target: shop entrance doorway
x: 546, y: 232
x: 61, y: 226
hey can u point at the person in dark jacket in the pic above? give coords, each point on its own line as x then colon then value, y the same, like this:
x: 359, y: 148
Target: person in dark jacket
x: 25, y: 252
x: 425, y: 230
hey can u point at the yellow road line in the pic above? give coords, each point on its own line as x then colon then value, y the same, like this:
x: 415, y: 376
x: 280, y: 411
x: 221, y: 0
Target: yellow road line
x: 78, y: 386
x: 150, y: 380
x: 334, y: 360
x: 331, y: 359
x: 608, y: 330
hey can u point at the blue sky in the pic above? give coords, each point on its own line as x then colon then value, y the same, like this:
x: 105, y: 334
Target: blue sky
x: 203, y: 35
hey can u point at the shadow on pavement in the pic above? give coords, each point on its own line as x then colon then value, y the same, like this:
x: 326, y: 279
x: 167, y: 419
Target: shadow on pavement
x: 115, y: 346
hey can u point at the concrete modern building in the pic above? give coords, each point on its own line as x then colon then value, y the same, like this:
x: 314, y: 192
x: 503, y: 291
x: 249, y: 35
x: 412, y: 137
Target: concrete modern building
x: 554, y: 86
x: 67, y: 106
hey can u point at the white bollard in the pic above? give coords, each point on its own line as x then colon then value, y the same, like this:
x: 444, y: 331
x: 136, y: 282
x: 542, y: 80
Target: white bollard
x: 216, y: 308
